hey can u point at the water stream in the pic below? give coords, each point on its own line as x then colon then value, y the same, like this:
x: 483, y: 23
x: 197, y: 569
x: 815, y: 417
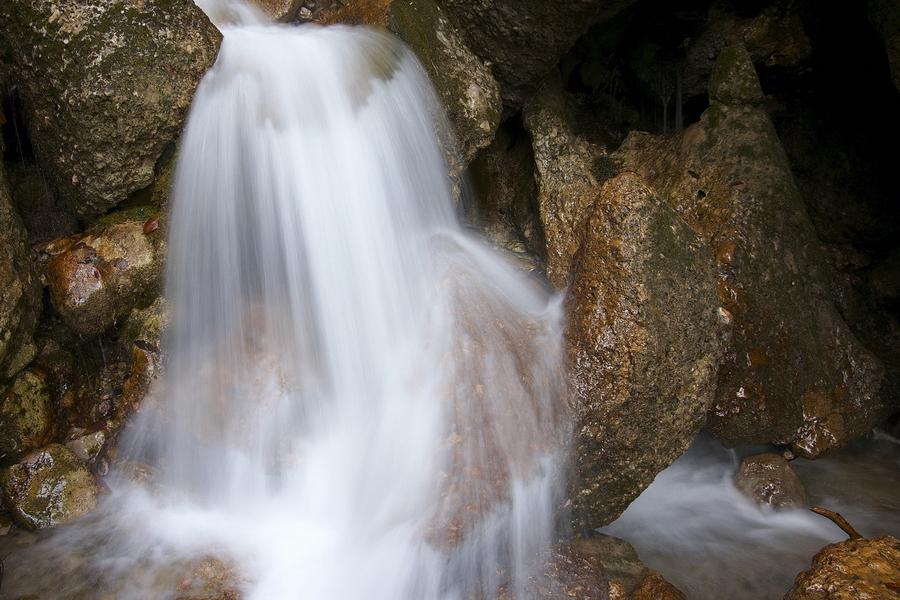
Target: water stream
x: 361, y: 399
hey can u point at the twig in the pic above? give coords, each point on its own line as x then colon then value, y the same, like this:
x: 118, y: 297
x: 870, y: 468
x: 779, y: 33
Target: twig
x: 839, y: 521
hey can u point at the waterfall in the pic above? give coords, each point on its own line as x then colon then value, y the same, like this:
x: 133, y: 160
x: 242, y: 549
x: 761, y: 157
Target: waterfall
x: 361, y: 400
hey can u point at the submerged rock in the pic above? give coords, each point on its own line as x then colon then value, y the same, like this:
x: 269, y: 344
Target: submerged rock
x: 793, y: 373
x: 644, y: 338
x: 853, y: 569
x: 769, y: 480
x: 105, y: 87
x: 27, y: 416
x: 49, y: 487
x: 20, y: 297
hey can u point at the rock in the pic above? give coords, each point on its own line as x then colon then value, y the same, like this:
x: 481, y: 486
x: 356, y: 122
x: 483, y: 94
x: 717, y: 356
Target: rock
x: 644, y: 334
x: 464, y: 85
x: 769, y: 480
x: 20, y: 296
x: 567, y: 182
x: 622, y: 568
x: 884, y: 15
x: 49, y: 487
x: 105, y: 87
x: 504, y: 176
x: 27, y: 416
x: 568, y: 573
x: 522, y: 40
x: 853, y: 569
x: 793, y: 373
x: 654, y: 587
x: 98, y: 277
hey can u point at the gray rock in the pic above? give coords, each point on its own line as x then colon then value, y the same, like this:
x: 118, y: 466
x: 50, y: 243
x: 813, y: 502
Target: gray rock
x: 20, y: 296
x: 793, y: 373
x: 769, y: 480
x: 49, y: 487
x: 105, y: 88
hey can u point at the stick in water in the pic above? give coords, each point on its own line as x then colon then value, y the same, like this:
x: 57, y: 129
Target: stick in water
x: 839, y: 521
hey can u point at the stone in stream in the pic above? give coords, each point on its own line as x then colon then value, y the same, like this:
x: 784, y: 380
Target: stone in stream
x: 769, y: 480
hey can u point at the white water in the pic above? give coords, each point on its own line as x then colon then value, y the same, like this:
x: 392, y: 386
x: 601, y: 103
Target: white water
x: 361, y: 401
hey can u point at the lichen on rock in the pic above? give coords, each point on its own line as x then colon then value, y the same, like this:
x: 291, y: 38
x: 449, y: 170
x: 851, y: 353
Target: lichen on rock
x: 106, y: 86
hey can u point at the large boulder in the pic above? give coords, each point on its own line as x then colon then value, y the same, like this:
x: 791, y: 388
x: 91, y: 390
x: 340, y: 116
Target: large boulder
x: 644, y: 340
x: 20, y: 295
x: 49, y: 487
x: 522, y: 40
x: 793, y: 373
x: 644, y: 332
x: 105, y: 88
x: 467, y: 90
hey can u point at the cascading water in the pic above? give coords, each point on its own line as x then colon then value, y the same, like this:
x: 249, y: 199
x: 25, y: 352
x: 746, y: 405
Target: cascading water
x: 361, y: 401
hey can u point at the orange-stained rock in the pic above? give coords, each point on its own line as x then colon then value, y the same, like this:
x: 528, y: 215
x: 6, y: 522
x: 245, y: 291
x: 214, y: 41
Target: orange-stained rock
x: 850, y: 570
x: 645, y: 337
x: 793, y: 373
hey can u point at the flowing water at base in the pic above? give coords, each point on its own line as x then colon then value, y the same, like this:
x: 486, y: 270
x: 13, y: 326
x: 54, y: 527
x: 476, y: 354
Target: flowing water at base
x: 361, y: 401
x: 692, y: 525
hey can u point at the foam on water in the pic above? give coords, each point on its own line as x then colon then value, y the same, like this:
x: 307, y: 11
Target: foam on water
x: 360, y: 400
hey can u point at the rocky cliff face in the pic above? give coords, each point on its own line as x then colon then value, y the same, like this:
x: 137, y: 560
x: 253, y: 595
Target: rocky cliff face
x: 708, y: 186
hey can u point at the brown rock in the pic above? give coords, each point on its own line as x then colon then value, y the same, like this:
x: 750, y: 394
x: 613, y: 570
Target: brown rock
x: 102, y: 274
x: 644, y: 328
x: 850, y: 570
x: 769, y: 480
x: 27, y: 416
x: 793, y: 372
x: 654, y: 587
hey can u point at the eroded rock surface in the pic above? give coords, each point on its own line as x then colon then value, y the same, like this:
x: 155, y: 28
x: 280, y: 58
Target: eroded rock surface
x: 105, y: 87
x: 793, y: 372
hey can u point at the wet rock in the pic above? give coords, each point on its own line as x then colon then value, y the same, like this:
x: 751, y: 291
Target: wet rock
x: 565, y: 175
x: 465, y: 86
x: 622, y: 568
x: 507, y: 194
x: 655, y: 587
x: 769, y: 480
x: 644, y: 334
x: 49, y: 487
x: 568, y: 573
x: 863, y: 568
x: 211, y: 578
x: 105, y: 87
x: 522, y: 40
x: 86, y: 445
x: 102, y: 274
x: 27, y: 416
x: 20, y: 299
x: 793, y: 373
